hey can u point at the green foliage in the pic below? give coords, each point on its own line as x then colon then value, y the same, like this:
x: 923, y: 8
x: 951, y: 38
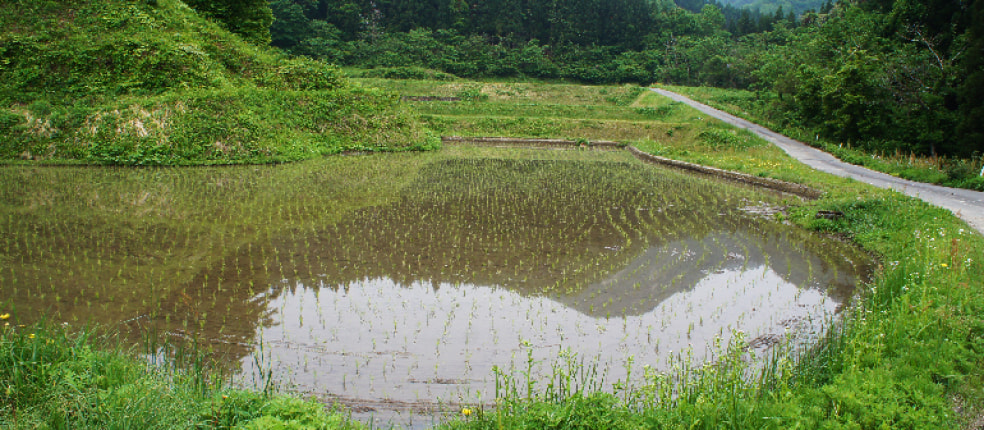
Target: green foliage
x: 256, y: 411
x: 719, y: 138
x: 471, y: 93
x: 250, y: 19
x: 302, y: 74
x: 760, y: 108
x: 971, y: 91
x: 882, y: 76
x: 113, y: 47
x: 126, y: 82
x: 220, y: 126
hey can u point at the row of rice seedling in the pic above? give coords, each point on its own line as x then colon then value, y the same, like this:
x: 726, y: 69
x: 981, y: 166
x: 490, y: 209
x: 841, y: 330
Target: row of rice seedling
x: 534, y: 110
x: 411, y: 277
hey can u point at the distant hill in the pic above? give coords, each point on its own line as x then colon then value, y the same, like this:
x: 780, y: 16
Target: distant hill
x: 152, y: 82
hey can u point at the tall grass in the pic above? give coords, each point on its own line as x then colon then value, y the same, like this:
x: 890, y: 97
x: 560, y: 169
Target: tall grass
x: 56, y: 378
x: 153, y: 83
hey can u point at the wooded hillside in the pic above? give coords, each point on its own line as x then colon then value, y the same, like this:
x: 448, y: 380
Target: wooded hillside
x: 883, y: 74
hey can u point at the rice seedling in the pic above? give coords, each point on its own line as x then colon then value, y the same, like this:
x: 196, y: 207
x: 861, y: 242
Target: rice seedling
x: 420, y: 278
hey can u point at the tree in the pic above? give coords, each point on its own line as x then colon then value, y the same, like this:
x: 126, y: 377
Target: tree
x: 251, y: 19
x: 290, y: 25
x: 971, y: 126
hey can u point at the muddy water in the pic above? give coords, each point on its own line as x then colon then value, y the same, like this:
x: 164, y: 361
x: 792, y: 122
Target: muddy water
x: 396, y: 284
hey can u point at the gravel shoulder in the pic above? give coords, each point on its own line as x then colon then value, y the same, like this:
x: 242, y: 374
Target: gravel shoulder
x: 966, y: 204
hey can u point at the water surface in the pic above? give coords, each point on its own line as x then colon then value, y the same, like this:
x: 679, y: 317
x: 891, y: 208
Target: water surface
x: 396, y: 283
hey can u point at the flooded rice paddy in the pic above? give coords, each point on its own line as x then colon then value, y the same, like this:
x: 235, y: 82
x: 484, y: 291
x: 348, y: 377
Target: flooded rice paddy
x: 395, y: 284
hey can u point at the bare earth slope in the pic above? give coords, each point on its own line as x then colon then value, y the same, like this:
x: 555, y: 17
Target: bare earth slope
x: 966, y: 204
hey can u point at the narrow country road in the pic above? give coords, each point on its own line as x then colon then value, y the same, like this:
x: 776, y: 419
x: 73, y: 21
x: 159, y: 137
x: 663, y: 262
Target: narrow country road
x: 966, y: 204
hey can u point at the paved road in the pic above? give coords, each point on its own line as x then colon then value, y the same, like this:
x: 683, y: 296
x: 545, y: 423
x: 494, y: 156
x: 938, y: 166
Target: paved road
x: 966, y: 204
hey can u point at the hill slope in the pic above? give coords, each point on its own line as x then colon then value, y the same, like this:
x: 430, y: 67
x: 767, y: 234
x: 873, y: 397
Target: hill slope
x: 151, y: 82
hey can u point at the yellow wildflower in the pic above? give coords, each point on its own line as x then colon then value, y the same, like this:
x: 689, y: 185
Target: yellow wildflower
x: 31, y: 336
x: 944, y: 265
x: 466, y: 412
x: 4, y: 316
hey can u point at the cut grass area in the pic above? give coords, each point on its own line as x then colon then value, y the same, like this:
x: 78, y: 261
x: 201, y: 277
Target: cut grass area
x: 513, y: 92
x: 580, y: 112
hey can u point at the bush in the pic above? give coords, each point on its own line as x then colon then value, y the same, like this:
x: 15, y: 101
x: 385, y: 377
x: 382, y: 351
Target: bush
x: 303, y: 74
x: 719, y: 138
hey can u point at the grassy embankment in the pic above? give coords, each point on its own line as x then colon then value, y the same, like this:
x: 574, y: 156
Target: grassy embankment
x: 907, y: 356
x: 902, y: 358
x: 951, y: 172
x: 152, y: 83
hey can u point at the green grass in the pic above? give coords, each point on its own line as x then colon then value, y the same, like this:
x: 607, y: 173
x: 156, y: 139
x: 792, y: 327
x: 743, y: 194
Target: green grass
x: 152, y: 83
x: 53, y: 379
x: 626, y: 114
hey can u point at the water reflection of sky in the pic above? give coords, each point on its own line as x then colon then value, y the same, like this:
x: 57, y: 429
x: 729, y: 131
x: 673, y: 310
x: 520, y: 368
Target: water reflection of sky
x: 398, y: 292
x: 376, y: 344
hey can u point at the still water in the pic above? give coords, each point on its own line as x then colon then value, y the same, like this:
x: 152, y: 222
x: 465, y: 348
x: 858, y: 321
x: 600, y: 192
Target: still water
x: 399, y: 285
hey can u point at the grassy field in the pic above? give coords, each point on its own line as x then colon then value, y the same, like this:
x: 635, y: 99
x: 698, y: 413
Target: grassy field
x: 627, y: 114
x: 909, y: 354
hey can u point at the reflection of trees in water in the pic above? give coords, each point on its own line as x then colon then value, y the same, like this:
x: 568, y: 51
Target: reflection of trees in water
x: 541, y: 228
x: 169, y: 251
x: 221, y: 307
x: 561, y: 229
